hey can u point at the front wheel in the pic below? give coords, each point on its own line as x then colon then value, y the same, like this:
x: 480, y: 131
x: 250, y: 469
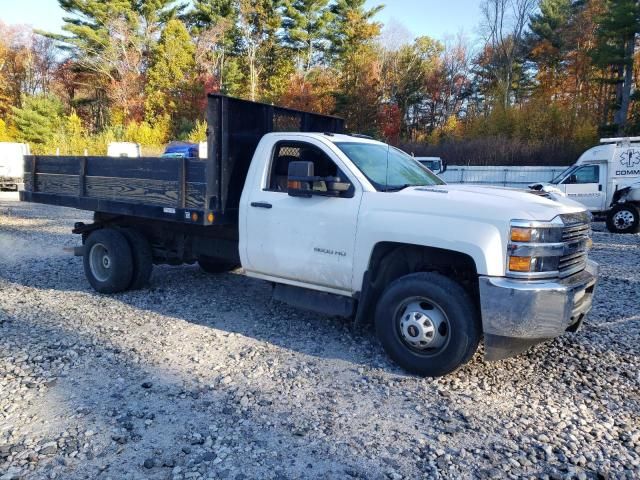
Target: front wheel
x: 623, y: 218
x: 427, y: 324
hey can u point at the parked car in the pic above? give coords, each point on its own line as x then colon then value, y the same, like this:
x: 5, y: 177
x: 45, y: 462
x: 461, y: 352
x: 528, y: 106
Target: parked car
x: 182, y: 150
x: 123, y: 149
x: 436, y: 164
x: 341, y: 225
x: 11, y: 165
x: 606, y: 180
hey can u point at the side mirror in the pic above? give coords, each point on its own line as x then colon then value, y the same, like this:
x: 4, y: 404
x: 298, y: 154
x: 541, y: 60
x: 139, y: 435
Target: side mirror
x: 572, y: 179
x: 444, y: 166
x: 299, y: 179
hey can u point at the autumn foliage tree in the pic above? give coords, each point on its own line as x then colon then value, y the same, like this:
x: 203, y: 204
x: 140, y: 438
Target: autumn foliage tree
x: 545, y: 72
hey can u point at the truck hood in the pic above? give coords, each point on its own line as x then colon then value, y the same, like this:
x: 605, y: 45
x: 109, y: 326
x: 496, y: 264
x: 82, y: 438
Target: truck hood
x: 493, y: 202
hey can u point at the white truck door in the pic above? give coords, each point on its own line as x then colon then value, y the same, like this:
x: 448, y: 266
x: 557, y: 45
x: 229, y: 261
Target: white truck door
x: 587, y: 185
x: 305, y: 240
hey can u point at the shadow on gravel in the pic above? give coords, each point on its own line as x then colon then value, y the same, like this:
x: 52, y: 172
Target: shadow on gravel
x: 138, y: 411
x: 229, y: 302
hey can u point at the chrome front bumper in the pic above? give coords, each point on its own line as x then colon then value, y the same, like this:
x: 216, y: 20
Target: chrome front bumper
x: 517, y: 314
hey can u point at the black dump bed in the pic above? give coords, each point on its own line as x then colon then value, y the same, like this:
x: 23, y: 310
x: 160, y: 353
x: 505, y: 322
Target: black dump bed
x: 193, y: 191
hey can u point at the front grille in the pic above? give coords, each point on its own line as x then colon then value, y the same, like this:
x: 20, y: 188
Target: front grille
x: 575, y: 235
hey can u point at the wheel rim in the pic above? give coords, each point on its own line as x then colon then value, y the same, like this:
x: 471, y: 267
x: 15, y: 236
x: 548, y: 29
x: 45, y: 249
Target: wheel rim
x: 100, y: 262
x: 623, y: 219
x: 422, y: 325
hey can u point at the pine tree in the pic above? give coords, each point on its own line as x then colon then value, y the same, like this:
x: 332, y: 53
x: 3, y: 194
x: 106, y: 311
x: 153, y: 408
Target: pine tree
x: 352, y: 27
x: 112, y: 41
x: 615, y: 49
x: 353, y: 33
x: 259, y: 24
x: 548, y: 40
x: 306, y: 30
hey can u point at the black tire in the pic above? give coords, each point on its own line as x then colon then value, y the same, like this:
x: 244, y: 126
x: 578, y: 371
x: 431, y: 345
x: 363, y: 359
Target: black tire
x: 211, y: 265
x: 461, y: 333
x: 623, y: 218
x: 108, y: 263
x: 142, y: 258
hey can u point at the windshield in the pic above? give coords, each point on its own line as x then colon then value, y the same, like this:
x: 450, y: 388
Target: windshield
x: 558, y: 178
x: 387, y: 168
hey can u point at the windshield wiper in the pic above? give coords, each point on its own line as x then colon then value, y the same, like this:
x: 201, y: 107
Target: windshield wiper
x: 400, y: 187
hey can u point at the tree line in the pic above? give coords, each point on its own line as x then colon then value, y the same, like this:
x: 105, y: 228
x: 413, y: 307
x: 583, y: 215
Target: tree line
x: 546, y: 78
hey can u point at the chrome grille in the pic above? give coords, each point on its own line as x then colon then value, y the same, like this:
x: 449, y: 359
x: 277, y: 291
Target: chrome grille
x: 575, y: 236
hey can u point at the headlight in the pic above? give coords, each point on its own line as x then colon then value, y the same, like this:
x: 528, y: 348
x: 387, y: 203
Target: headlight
x: 533, y: 264
x: 536, y: 234
x: 534, y: 249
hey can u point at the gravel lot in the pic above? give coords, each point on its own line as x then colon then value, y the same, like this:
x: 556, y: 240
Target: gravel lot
x: 203, y: 376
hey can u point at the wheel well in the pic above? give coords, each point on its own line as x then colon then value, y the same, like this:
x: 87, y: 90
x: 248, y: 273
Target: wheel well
x: 390, y: 261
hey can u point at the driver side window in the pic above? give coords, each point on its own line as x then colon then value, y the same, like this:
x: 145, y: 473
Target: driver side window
x: 287, y: 152
x: 587, y: 174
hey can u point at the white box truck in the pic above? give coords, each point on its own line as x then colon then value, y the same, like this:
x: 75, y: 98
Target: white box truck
x: 123, y: 149
x: 11, y: 165
x: 606, y: 179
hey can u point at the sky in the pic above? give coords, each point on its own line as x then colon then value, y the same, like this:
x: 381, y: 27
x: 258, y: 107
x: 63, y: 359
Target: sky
x: 436, y: 18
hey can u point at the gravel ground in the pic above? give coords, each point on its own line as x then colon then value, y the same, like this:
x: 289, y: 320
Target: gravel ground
x: 203, y: 376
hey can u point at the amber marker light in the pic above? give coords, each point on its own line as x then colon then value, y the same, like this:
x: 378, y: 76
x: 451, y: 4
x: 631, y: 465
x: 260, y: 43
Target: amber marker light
x: 194, y: 217
x: 211, y: 217
x: 519, y: 264
x: 519, y: 234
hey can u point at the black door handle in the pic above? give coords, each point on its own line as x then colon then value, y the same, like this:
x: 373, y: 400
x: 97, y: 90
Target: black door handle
x: 261, y: 204
x: 600, y: 187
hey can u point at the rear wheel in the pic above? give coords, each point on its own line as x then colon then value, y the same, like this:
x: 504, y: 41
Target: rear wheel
x: 623, y: 218
x: 107, y: 261
x: 427, y: 324
x: 142, y: 258
x: 211, y: 265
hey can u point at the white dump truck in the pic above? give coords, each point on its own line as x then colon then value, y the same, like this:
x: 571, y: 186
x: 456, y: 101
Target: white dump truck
x: 341, y: 225
x: 11, y: 164
x: 605, y: 179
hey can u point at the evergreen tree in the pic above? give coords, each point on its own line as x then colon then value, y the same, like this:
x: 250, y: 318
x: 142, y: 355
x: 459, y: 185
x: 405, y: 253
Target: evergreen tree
x: 214, y: 25
x: 112, y: 41
x: 170, y: 79
x: 615, y: 50
x: 352, y: 27
x: 207, y: 13
x: 548, y: 39
x: 259, y: 24
x: 353, y: 33
x: 37, y: 120
x: 306, y: 29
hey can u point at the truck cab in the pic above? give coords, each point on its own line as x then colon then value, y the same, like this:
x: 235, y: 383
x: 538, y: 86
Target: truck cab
x: 606, y: 180
x: 436, y: 164
x: 358, y: 219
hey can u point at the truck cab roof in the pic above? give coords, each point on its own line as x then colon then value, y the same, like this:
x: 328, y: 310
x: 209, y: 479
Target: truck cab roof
x: 325, y: 136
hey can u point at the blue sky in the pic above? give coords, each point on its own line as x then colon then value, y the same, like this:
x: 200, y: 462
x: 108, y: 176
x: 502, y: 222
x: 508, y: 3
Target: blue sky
x: 435, y: 18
